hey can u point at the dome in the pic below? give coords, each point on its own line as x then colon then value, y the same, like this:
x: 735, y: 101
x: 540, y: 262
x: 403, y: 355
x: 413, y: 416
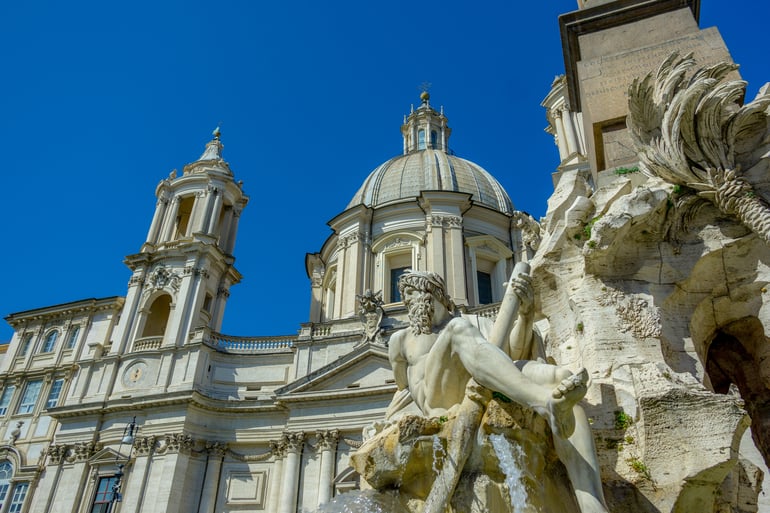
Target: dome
x: 407, y: 175
x: 428, y: 165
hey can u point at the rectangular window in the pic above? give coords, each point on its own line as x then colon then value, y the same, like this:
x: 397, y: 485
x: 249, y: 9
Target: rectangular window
x: 3, y: 492
x: 395, y: 274
x: 485, y: 287
x: 103, y: 494
x: 29, y: 398
x: 19, y: 493
x: 73, y: 337
x: 53, y: 395
x: 5, y: 399
x: 25, y: 345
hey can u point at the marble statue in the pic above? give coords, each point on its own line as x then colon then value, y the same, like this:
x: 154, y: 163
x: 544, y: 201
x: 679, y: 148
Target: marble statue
x: 443, y: 363
x: 371, y: 313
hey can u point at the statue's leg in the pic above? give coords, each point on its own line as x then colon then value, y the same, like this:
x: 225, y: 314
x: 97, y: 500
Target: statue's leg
x: 578, y: 455
x: 492, y: 368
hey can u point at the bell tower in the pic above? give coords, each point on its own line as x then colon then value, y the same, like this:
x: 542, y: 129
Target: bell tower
x: 184, y: 270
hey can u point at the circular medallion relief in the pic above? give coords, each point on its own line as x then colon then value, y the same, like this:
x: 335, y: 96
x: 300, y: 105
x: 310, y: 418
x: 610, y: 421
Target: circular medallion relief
x: 135, y: 374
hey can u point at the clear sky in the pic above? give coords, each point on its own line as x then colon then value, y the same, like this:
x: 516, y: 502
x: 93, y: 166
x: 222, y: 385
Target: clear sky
x: 101, y: 100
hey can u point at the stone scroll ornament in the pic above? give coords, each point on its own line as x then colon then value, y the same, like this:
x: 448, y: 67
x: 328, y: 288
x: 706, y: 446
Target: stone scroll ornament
x: 691, y: 129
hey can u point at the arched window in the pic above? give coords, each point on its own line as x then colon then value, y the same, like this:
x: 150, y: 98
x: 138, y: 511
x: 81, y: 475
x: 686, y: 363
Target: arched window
x: 421, y: 139
x: 50, y: 341
x: 6, y: 473
x: 19, y: 489
x: 433, y: 139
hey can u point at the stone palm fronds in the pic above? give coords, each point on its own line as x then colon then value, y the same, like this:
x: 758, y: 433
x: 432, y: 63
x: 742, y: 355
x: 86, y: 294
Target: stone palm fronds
x: 693, y: 132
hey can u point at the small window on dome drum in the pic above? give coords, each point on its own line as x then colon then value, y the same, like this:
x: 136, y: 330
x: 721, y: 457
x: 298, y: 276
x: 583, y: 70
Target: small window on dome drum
x: 421, y: 140
x: 433, y: 139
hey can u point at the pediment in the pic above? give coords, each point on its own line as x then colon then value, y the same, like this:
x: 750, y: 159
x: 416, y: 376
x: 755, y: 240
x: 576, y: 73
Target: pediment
x: 364, y: 367
x: 109, y: 456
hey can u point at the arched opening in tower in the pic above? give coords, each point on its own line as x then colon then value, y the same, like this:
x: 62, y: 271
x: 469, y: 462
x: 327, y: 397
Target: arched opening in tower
x: 157, y: 318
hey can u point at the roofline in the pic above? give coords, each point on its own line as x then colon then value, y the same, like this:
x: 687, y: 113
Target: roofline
x: 116, y: 300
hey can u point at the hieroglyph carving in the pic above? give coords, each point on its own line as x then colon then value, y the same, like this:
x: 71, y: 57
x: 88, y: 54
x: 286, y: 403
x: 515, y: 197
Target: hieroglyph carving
x: 694, y: 133
x: 636, y: 314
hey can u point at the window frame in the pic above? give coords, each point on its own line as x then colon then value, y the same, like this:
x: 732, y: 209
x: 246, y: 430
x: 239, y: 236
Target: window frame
x: 72, y: 338
x: 28, y: 404
x: 105, y: 494
x: 5, y: 405
x: 49, y: 342
x: 57, y: 386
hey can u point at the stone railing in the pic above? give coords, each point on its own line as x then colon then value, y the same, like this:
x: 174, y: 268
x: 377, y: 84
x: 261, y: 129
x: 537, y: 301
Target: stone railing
x: 489, y: 311
x: 250, y: 345
x: 148, y: 343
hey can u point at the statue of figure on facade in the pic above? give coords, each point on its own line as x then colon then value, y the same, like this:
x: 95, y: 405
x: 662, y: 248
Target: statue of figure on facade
x: 371, y: 313
x: 447, y: 365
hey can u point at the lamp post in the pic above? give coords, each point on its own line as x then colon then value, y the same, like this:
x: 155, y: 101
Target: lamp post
x: 128, y: 439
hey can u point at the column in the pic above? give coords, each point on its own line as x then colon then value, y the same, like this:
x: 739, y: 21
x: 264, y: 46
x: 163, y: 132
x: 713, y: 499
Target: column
x: 170, y: 221
x: 216, y: 453
x: 569, y: 131
x: 279, y: 453
x: 294, y: 443
x: 233, y: 231
x: 559, y: 126
x: 143, y: 449
x: 327, y: 445
x: 157, y: 219
x: 215, y: 212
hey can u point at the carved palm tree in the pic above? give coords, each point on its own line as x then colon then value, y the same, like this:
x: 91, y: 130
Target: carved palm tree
x: 693, y: 132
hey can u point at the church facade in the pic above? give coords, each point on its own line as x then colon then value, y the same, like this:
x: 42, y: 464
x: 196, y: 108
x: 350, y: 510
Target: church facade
x: 139, y: 404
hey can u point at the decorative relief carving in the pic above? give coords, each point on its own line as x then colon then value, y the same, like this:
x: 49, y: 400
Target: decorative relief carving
x: 327, y: 440
x: 355, y: 444
x: 530, y: 229
x: 371, y: 313
x: 445, y: 221
x: 222, y: 291
x: 195, y: 271
x: 145, y: 445
x: 294, y: 441
x: 216, y: 449
x: 398, y: 242
x: 56, y: 453
x: 163, y: 277
x: 636, y: 314
x: 176, y: 442
x: 277, y: 449
x: 83, y: 451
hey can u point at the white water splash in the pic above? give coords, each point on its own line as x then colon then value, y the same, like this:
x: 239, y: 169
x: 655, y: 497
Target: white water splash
x: 438, y: 454
x: 508, y: 455
x: 366, y: 501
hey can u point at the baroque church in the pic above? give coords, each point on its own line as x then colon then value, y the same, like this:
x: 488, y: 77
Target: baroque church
x: 138, y: 403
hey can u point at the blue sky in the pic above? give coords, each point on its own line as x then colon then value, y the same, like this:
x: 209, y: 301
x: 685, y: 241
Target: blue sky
x: 101, y: 100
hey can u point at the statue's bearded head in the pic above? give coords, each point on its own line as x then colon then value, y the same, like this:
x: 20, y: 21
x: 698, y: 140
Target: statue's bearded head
x: 420, y: 307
